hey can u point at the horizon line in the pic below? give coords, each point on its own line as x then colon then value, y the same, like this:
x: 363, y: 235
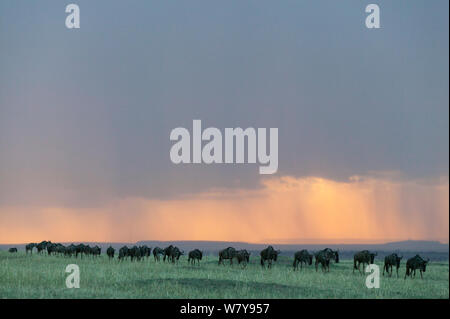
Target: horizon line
x: 305, y: 242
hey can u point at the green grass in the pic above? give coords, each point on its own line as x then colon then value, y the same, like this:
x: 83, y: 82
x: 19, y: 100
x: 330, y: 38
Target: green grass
x: 23, y: 276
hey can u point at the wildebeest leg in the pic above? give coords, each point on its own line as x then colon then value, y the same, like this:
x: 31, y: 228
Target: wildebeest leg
x: 421, y: 277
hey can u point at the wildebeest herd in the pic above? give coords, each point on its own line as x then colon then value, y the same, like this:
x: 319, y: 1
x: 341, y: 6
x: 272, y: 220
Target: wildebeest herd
x: 267, y: 256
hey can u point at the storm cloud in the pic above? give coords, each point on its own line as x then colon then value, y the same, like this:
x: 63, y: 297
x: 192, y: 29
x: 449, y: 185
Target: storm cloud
x: 85, y: 115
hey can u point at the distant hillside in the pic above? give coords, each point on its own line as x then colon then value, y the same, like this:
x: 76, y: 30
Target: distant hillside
x: 212, y: 246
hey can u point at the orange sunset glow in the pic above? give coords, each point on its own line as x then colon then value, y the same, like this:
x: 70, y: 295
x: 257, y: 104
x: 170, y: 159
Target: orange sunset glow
x: 283, y: 210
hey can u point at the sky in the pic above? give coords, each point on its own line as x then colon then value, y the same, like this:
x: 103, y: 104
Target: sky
x: 86, y: 115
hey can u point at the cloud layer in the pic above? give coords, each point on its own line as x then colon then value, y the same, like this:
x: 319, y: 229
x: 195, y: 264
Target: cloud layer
x: 285, y: 209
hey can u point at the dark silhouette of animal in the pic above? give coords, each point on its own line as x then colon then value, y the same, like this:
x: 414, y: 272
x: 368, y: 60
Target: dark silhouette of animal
x: 60, y: 249
x: 334, y: 254
x: 12, y: 250
x: 227, y: 253
x: 302, y: 256
x: 134, y: 253
x: 324, y: 257
x: 145, y: 251
x: 391, y: 261
x: 195, y: 255
x: 87, y: 250
x: 414, y: 263
x: 175, y: 254
x: 79, y: 250
x: 123, y: 253
x: 156, y: 252
x: 243, y: 256
x: 269, y: 254
x: 167, y: 253
x: 51, y: 249
x: 363, y: 257
x: 70, y: 250
x: 29, y: 248
x: 96, y: 251
x: 110, y: 252
x: 42, y: 246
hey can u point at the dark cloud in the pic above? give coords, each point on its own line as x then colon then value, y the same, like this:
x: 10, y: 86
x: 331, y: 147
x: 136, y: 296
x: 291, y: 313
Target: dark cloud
x: 85, y: 115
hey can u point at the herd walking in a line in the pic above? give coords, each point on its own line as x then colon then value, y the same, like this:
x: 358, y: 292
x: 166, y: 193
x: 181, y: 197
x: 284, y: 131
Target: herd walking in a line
x: 267, y: 256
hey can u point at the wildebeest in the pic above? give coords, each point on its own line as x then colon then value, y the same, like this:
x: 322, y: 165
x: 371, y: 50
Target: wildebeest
x: 269, y: 254
x: 145, y: 251
x: 51, y: 249
x: 167, y: 252
x: 324, y: 257
x: 29, y: 248
x: 60, y: 249
x: 156, y: 252
x: 12, y: 250
x: 70, y: 250
x: 363, y: 257
x: 177, y: 253
x: 390, y: 261
x: 134, y: 253
x: 110, y: 252
x: 96, y: 251
x: 227, y: 253
x: 87, y: 250
x: 42, y: 246
x: 55, y: 249
x: 123, y: 253
x: 334, y: 254
x: 174, y: 254
x: 243, y: 256
x: 79, y: 249
x: 302, y: 256
x: 414, y: 263
x: 194, y: 255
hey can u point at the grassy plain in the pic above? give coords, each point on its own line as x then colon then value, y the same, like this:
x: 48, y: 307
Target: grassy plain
x: 36, y: 276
